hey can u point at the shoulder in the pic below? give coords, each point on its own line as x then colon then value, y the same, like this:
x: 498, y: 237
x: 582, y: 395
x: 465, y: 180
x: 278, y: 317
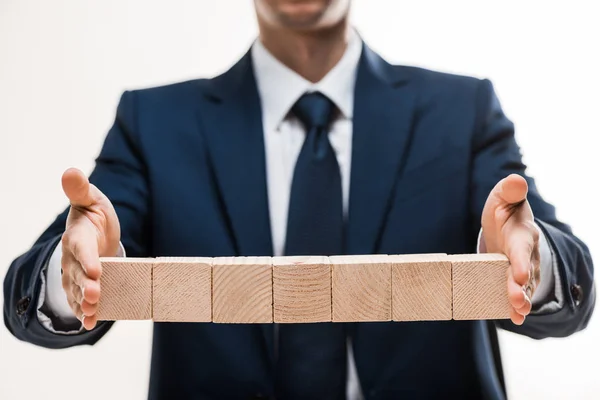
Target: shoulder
x: 153, y: 111
x: 159, y: 103
x: 448, y: 92
x: 173, y: 94
x: 438, y: 83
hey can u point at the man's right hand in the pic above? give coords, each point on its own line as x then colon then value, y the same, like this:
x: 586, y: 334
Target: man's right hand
x: 92, y: 231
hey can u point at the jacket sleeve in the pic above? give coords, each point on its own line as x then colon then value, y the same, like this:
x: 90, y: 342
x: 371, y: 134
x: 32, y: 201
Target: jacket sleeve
x: 120, y: 173
x: 496, y: 155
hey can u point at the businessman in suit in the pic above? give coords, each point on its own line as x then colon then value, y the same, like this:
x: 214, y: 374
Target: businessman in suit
x: 310, y: 144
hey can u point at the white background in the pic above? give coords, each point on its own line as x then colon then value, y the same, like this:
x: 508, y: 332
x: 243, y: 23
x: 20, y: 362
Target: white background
x: 63, y: 65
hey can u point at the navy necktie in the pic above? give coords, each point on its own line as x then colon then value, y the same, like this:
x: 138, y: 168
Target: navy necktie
x: 315, y: 216
x: 312, y: 357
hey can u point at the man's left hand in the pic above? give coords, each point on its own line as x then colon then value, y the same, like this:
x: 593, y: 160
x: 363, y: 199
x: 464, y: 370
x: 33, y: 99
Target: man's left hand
x: 509, y: 228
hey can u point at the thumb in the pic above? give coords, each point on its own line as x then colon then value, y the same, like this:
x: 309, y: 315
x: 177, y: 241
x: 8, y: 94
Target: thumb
x: 507, y: 193
x: 77, y: 188
x: 510, y: 190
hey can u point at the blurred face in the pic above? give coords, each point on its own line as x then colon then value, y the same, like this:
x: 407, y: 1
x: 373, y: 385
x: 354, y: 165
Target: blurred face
x: 302, y: 15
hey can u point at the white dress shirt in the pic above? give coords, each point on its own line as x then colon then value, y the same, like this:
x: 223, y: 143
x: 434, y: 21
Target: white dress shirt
x: 279, y: 88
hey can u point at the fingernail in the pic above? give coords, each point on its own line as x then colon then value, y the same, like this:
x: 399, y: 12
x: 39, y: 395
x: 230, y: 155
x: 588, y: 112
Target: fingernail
x: 82, y: 319
x: 83, y: 291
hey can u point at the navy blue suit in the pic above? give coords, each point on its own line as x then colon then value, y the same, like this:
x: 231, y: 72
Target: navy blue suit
x: 184, y: 166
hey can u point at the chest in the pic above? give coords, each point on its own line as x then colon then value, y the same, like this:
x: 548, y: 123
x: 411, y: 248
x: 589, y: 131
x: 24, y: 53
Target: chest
x: 207, y: 201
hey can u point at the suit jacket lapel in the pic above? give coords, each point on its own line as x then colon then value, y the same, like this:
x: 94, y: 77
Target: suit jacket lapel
x: 231, y: 119
x: 383, y: 113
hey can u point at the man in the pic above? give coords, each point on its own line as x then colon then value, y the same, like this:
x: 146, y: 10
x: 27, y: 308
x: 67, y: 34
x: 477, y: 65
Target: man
x: 311, y: 143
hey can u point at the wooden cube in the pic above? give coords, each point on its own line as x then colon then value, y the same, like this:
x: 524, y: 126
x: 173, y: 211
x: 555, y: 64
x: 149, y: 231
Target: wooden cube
x: 301, y: 289
x: 361, y: 288
x: 126, y: 289
x: 242, y: 290
x: 182, y: 289
x: 480, y: 286
x: 421, y: 287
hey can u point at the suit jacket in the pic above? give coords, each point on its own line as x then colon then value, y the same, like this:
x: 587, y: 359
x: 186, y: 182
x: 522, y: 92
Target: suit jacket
x: 184, y: 166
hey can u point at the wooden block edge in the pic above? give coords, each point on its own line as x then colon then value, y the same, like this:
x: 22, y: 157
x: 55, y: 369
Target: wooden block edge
x: 475, y: 258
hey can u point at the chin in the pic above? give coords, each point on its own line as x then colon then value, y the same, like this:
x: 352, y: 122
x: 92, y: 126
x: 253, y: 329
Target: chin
x: 303, y: 14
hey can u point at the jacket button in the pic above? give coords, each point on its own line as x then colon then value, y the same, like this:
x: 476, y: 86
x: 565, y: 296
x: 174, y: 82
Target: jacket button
x: 23, y: 305
x: 577, y: 294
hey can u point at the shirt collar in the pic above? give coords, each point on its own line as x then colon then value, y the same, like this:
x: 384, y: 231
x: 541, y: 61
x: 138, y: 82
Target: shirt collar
x: 279, y: 87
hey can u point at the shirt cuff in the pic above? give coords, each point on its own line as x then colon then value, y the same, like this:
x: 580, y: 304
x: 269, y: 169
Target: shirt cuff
x: 54, y: 311
x: 548, y: 295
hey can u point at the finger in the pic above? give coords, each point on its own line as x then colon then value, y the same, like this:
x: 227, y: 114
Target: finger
x: 91, y: 292
x: 88, y: 309
x: 77, y: 188
x: 76, y: 308
x: 82, y: 284
x: 516, y: 318
x: 516, y: 296
x: 520, y: 239
x: 526, y: 309
x: 511, y: 190
x: 82, y: 243
x: 501, y: 203
x: 76, y: 294
x: 82, y: 294
x: 89, y: 323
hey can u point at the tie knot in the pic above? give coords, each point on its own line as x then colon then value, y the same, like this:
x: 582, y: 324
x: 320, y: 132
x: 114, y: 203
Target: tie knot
x: 314, y: 110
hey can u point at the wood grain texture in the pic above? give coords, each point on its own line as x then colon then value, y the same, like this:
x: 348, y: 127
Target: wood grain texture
x: 421, y: 287
x: 126, y: 285
x: 306, y: 289
x: 301, y: 289
x: 242, y: 290
x: 182, y: 289
x: 361, y: 288
x: 480, y: 286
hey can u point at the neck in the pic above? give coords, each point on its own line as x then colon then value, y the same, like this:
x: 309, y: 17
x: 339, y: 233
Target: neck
x: 310, y: 54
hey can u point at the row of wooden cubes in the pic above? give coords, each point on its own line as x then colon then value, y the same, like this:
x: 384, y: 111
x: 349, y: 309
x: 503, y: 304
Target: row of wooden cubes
x: 305, y: 288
